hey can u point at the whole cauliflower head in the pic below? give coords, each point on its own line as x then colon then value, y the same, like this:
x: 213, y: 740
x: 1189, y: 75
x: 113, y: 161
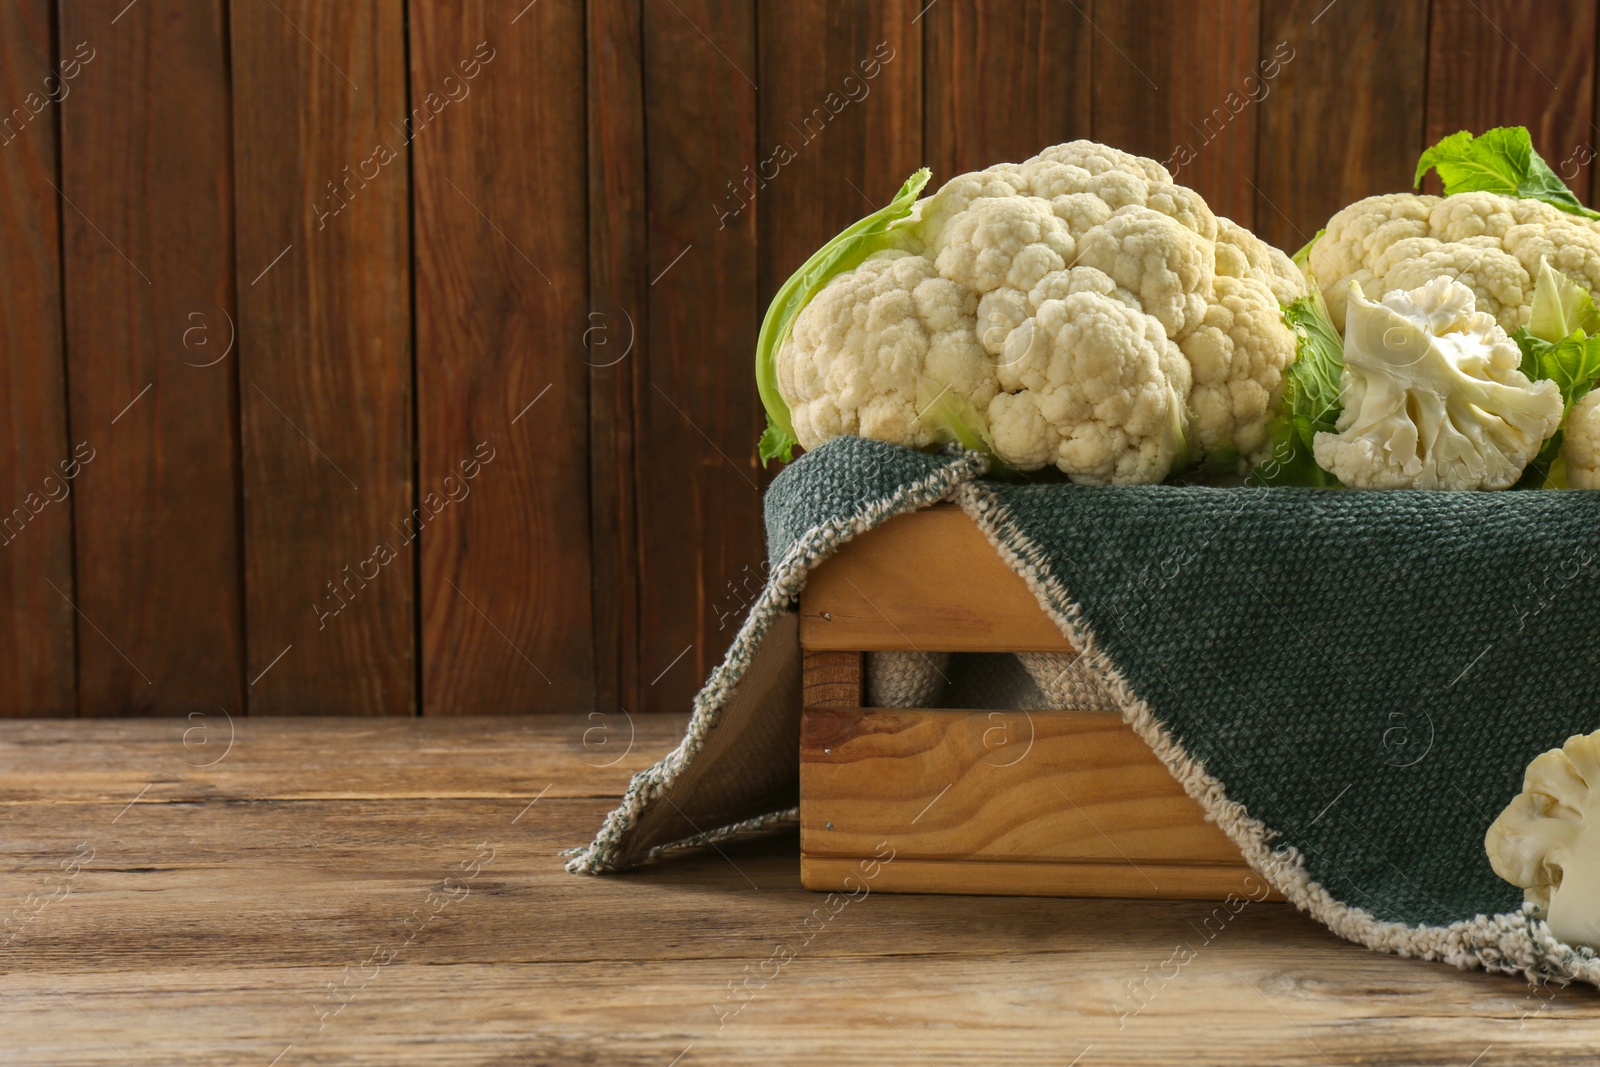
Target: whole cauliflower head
x: 1433, y: 397
x: 1097, y: 315
x: 1492, y: 244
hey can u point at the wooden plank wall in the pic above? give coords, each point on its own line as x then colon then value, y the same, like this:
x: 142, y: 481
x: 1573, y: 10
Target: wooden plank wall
x: 393, y: 357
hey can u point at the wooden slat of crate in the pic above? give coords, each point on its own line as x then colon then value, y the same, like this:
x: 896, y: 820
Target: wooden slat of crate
x: 1053, y: 803
x: 925, y: 580
x: 1059, y: 803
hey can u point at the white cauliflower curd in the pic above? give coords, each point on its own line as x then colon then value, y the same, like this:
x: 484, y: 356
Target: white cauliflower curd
x: 1433, y: 397
x: 1091, y: 313
x: 1580, y: 443
x: 1491, y: 243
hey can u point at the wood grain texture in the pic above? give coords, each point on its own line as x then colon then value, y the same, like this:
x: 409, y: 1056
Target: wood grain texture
x: 1005, y: 78
x: 501, y: 388
x: 614, y: 330
x: 832, y: 679
x: 1147, y: 880
x: 37, y: 628
x: 1174, y: 80
x: 215, y: 756
x: 141, y: 956
x: 840, y: 123
x: 698, y: 417
x: 1375, y: 52
x: 321, y: 133
x: 146, y: 174
x: 1071, y: 803
x: 927, y: 581
x: 1516, y: 63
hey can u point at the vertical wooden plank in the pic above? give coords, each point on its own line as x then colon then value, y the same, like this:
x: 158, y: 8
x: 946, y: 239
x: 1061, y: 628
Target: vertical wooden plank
x: 501, y: 285
x: 37, y: 670
x: 698, y: 418
x: 1343, y: 119
x: 1006, y: 78
x: 613, y: 333
x: 321, y: 136
x: 1172, y: 81
x: 840, y: 122
x: 832, y: 679
x: 1516, y: 63
x: 149, y: 310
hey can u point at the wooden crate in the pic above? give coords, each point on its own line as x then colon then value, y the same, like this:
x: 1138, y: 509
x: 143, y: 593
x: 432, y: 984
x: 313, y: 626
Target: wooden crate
x: 996, y: 802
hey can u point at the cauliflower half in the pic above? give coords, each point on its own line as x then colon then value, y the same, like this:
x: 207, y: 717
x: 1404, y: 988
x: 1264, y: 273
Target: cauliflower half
x: 1492, y: 244
x: 1433, y: 397
x: 1546, y: 840
x: 1097, y: 315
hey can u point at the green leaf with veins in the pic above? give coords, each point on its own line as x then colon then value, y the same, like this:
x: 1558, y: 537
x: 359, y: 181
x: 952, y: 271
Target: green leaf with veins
x: 1573, y: 362
x: 845, y: 252
x: 1501, y: 160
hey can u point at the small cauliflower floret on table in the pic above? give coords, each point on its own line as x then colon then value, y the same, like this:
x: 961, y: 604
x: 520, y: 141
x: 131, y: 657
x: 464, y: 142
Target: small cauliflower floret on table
x: 1089, y: 313
x: 1547, y: 841
x: 1433, y: 397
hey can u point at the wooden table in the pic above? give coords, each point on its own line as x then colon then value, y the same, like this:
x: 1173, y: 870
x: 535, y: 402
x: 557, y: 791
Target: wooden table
x: 384, y: 892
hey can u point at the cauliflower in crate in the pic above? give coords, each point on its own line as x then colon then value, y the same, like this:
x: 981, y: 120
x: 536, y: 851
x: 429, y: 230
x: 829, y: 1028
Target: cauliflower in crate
x: 1079, y: 310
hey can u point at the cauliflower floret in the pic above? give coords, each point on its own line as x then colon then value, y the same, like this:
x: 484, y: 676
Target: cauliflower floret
x: 934, y: 213
x: 1361, y: 232
x: 1096, y: 158
x: 1241, y: 254
x: 1492, y: 243
x: 1237, y: 357
x: 858, y: 354
x: 1433, y: 397
x: 1094, y: 386
x: 1580, y: 442
x: 1166, y: 265
x: 1065, y: 297
x: 1569, y: 244
x: 997, y: 241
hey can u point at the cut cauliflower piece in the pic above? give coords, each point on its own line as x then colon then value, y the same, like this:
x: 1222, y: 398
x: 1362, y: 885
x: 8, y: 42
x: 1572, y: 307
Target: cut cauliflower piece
x: 1492, y: 243
x: 1433, y: 397
x: 1546, y: 843
x: 1580, y: 442
x: 1066, y: 298
x: 855, y: 358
